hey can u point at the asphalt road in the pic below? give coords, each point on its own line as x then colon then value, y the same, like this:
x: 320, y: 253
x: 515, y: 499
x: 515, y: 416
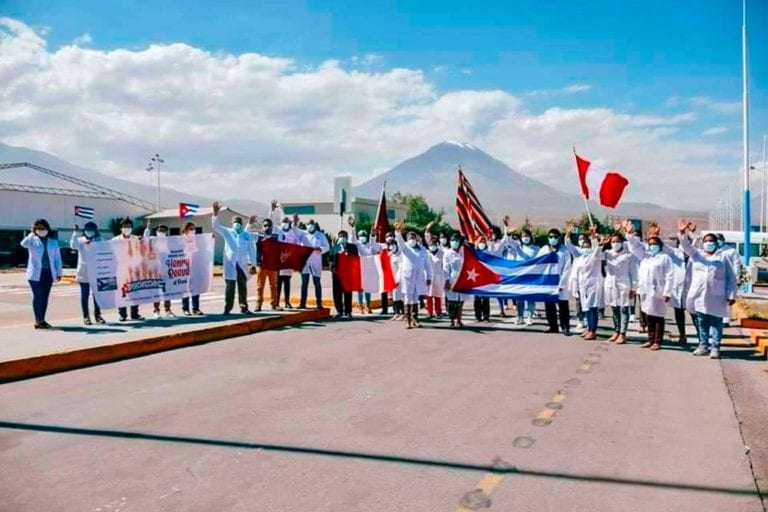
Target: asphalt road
x: 366, y: 416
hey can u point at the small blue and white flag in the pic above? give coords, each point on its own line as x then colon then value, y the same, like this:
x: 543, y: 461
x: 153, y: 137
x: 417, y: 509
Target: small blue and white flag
x: 84, y: 212
x: 485, y: 275
x: 187, y: 210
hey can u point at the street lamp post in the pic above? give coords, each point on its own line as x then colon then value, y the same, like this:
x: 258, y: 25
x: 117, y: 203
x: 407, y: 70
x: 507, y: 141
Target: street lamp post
x: 155, y: 162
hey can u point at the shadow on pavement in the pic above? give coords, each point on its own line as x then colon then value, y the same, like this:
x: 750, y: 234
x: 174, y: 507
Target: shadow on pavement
x: 503, y: 469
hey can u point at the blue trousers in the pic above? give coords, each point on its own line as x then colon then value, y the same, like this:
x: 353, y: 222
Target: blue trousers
x: 710, y: 330
x: 41, y: 291
x: 592, y: 317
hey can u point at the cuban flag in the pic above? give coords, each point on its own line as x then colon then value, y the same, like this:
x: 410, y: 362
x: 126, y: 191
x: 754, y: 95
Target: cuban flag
x: 84, y: 212
x: 187, y: 210
x: 485, y: 275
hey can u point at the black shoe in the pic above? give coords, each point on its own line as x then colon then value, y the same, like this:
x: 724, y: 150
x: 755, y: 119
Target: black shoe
x: 44, y: 325
x: 123, y: 318
x: 197, y: 312
x: 551, y: 331
x: 100, y: 320
x: 137, y: 318
x: 338, y: 316
x: 566, y: 332
x: 302, y: 306
x: 288, y: 306
x: 227, y: 312
x: 87, y: 321
x: 186, y: 312
x: 246, y: 312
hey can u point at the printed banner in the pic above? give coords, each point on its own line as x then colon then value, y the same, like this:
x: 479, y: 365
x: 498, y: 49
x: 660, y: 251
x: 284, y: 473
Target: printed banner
x: 144, y: 270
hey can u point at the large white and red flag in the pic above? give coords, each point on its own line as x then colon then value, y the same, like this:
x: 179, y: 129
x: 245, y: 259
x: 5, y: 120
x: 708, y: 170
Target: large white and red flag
x: 603, y: 186
x: 371, y: 274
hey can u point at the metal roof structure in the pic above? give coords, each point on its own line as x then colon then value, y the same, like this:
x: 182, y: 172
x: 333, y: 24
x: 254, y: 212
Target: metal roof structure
x: 91, y: 189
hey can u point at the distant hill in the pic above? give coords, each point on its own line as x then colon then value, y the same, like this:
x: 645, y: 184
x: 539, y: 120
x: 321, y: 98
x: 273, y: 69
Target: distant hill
x: 170, y: 197
x: 501, y: 189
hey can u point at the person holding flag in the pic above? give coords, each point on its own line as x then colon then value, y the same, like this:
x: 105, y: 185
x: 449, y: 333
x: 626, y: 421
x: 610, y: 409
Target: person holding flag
x: 342, y: 299
x: 316, y: 239
x: 436, y: 291
x: 239, y: 249
x: 160, y: 232
x: 78, y: 243
x: 291, y: 234
x: 588, y: 279
x: 452, y: 263
x: 264, y: 275
x: 560, y: 309
x: 522, y: 250
x: 620, y: 285
x: 415, y: 274
x: 126, y: 233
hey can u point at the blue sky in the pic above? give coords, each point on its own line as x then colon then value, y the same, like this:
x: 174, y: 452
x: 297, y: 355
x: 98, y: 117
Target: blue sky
x: 650, y: 60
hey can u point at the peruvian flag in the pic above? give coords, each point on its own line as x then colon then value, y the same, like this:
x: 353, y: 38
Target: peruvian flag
x: 605, y: 187
x: 370, y: 274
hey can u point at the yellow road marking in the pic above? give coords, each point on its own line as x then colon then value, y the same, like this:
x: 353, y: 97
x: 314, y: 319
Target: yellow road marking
x: 489, y: 482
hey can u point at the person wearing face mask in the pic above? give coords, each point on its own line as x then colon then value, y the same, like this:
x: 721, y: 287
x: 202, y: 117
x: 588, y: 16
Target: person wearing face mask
x: 640, y: 317
x: 734, y: 259
x: 713, y: 288
x: 364, y: 248
x: 126, y: 233
x: 291, y: 234
x: 160, y: 232
x: 189, y: 230
x: 482, y: 305
x: 559, y: 310
x: 44, y: 267
x: 620, y: 286
x: 654, y: 283
x: 575, y: 251
x: 452, y: 261
x: 239, y: 249
x: 263, y: 275
x: 78, y: 243
x: 522, y: 249
x: 436, y: 290
x: 398, y: 305
x: 588, y: 279
x: 316, y: 239
x: 415, y: 274
x: 342, y: 299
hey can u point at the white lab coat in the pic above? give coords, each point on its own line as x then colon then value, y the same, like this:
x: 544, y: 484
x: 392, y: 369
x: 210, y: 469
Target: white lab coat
x: 563, y: 268
x: 713, y: 281
x: 238, y: 249
x: 734, y: 258
x: 620, y: 278
x: 680, y: 271
x: 314, y: 264
x: 589, y: 279
x: 34, y: 245
x: 452, y: 261
x: 576, y: 262
x: 415, y: 270
x: 437, y: 289
x: 78, y: 243
x: 396, y: 259
x: 655, y: 278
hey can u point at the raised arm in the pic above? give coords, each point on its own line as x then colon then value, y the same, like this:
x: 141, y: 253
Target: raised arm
x: 74, y: 242
x: 215, y: 224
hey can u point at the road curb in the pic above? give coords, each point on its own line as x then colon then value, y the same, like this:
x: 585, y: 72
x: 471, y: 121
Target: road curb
x: 37, y: 366
x: 760, y: 338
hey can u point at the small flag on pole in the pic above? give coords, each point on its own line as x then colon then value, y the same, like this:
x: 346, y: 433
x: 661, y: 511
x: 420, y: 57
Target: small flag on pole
x: 187, y: 210
x: 84, y: 212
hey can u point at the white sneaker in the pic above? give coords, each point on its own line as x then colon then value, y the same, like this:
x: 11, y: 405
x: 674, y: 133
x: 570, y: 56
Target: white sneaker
x: 701, y: 351
x: 518, y: 321
x: 529, y: 321
x: 170, y: 314
x: 156, y: 315
x: 632, y: 319
x: 579, y: 326
x: 714, y: 354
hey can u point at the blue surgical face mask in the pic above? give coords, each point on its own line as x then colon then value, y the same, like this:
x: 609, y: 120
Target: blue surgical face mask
x: 720, y: 243
x: 343, y: 240
x: 363, y: 239
x: 90, y: 234
x: 710, y: 246
x: 526, y: 240
x: 553, y: 241
x: 482, y: 247
x: 455, y: 245
x: 655, y: 249
x: 285, y: 226
x: 237, y: 226
x: 433, y: 248
x: 582, y: 242
x: 311, y: 228
x: 444, y: 242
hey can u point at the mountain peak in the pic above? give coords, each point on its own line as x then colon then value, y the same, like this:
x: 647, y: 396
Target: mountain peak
x: 455, y: 144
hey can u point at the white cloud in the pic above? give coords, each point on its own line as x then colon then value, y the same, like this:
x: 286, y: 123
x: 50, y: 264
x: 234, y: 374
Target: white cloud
x: 720, y: 107
x: 576, y: 88
x: 715, y: 130
x: 568, y: 89
x: 258, y: 126
x: 466, y: 71
x: 83, y: 40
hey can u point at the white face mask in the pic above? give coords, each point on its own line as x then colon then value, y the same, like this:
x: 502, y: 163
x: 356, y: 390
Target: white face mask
x: 526, y: 240
x: 126, y: 231
x: 162, y: 234
x: 311, y: 228
x: 412, y: 243
x: 482, y: 247
x: 285, y: 226
x: 616, y: 246
x: 363, y: 239
x: 42, y: 233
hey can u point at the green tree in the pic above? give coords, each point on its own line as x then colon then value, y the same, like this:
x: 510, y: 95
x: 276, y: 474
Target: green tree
x: 419, y: 212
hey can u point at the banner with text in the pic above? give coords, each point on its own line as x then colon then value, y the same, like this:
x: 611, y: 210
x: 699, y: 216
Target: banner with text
x: 143, y: 270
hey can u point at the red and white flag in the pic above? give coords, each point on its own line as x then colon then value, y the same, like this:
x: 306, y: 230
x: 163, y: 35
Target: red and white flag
x: 370, y: 274
x: 604, y: 187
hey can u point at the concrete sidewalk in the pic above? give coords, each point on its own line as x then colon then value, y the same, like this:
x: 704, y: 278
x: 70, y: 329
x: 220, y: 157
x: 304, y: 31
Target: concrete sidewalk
x: 26, y: 352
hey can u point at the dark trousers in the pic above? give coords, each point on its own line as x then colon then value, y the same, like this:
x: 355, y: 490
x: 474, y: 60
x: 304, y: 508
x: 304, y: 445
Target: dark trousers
x: 399, y: 307
x: 680, y: 321
x: 384, y: 303
x: 655, y: 329
x: 305, y: 290
x: 558, y: 310
x: 242, y: 292
x: 195, y: 303
x: 123, y: 312
x: 41, y: 291
x: 284, y: 287
x: 85, y: 292
x: 482, y: 308
x: 342, y: 300
x: 166, y: 306
x: 454, y: 306
x: 593, y: 315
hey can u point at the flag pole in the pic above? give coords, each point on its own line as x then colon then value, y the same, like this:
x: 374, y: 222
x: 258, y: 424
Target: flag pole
x: 586, y: 203
x: 745, y: 134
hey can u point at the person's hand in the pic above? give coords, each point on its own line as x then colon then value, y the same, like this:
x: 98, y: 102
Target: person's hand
x: 691, y: 227
x: 273, y: 205
x: 682, y: 225
x: 654, y: 230
x: 351, y: 221
x: 253, y: 219
x: 295, y: 219
x: 569, y: 229
x: 618, y: 227
x: 429, y: 226
x: 629, y: 227
x: 592, y: 230
x: 398, y: 226
x: 506, y: 220
x: 216, y: 208
x: 429, y: 282
x: 632, y: 294
x: 77, y: 228
x: 667, y: 299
